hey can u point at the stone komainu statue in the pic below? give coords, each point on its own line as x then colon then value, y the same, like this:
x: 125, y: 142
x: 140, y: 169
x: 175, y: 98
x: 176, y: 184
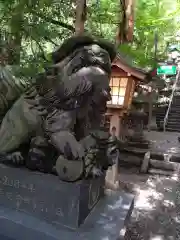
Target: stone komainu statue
x: 60, y: 118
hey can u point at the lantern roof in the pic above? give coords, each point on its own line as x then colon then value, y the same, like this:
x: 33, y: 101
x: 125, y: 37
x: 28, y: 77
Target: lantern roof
x: 128, y: 67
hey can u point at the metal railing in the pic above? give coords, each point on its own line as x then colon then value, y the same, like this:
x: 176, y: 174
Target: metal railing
x: 171, y: 99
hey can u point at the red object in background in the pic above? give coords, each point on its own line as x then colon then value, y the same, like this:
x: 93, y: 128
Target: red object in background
x: 153, y: 73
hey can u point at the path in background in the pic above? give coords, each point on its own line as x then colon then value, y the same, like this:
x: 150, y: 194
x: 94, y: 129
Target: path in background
x: 156, y: 215
x: 166, y: 142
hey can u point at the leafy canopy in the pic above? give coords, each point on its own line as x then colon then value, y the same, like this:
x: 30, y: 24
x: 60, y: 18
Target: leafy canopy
x: 31, y: 29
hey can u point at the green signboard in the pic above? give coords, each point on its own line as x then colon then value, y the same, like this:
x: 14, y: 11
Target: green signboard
x: 166, y: 70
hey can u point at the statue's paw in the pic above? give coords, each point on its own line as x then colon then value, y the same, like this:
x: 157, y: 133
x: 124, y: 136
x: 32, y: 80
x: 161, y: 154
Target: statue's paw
x: 16, y: 157
x: 67, y: 144
x: 96, y: 172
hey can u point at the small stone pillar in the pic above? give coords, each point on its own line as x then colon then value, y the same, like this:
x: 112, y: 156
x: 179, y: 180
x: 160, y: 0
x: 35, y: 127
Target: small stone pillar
x: 115, y: 123
x: 112, y: 181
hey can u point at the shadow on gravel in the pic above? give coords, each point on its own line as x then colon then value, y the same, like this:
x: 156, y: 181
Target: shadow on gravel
x: 155, y: 216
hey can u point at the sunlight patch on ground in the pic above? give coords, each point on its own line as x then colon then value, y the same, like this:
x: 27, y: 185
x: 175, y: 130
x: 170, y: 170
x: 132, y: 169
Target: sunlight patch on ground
x: 168, y: 203
x: 145, y: 197
x: 157, y: 238
x: 175, y: 176
x: 177, y: 219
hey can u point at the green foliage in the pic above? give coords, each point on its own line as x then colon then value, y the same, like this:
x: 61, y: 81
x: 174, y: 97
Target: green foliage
x: 104, y: 17
x: 31, y: 29
x: 152, y: 16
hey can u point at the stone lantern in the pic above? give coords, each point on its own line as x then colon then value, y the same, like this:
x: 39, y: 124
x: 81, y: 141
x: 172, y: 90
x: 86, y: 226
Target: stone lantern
x: 124, y: 78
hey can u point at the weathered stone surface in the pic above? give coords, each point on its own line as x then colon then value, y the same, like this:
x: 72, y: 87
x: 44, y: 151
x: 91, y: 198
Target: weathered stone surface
x: 46, y: 197
x: 145, y: 163
x: 107, y: 221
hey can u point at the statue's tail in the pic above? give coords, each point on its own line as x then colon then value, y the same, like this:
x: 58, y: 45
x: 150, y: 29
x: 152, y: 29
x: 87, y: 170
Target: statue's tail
x: 10, y: 90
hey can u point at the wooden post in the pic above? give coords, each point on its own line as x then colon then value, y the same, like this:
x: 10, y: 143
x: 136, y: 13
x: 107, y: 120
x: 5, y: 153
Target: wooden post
x: 80, y: 16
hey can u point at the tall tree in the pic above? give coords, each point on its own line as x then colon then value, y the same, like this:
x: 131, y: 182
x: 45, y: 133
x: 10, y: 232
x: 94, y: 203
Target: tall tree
x: 31, y: 29
x: 81, y: 12
x: 152, y: 18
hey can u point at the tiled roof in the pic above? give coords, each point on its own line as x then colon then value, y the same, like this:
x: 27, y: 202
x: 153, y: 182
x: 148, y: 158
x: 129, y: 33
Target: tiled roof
x: 128, y: 66
x: 127, y: 60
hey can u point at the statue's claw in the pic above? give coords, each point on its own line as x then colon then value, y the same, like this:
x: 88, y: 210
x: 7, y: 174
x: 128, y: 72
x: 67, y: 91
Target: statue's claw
x: 16, y: 157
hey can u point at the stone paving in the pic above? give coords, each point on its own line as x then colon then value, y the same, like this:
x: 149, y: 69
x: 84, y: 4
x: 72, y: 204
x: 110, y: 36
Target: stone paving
x: 165, y: 142
x: 156, y: 215
x: 156, y: 212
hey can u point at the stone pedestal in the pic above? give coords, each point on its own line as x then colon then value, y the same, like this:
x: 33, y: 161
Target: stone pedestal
x: 107, y: 222
x: 46, y: 197
x: 39, y: 206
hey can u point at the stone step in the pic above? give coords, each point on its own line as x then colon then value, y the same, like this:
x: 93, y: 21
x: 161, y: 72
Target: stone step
x: 143, y: 145
x: 160, y: 118
x: 174, y: 112
x: 174, y: 116
x: 173, y: 120
x: 174, y: 157
x: 138, y: 156
x: 175, y: 103
x: 160, y: 109
x: 173, y: 126
x: 159, y: 121
x: 173, y: 123
x: 173, y: 108
x: 160, y: 114
x: 160, y: 172
x: 170, y: 129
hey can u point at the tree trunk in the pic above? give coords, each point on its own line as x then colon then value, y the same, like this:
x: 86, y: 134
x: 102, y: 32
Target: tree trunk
x: 14, y: 49
x: 80, y: 16
x: 126, y: 23
x: 130, y: 6
x: 15, y: 37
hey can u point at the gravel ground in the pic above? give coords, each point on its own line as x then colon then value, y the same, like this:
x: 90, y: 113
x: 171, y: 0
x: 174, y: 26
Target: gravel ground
x: 156, y: 215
